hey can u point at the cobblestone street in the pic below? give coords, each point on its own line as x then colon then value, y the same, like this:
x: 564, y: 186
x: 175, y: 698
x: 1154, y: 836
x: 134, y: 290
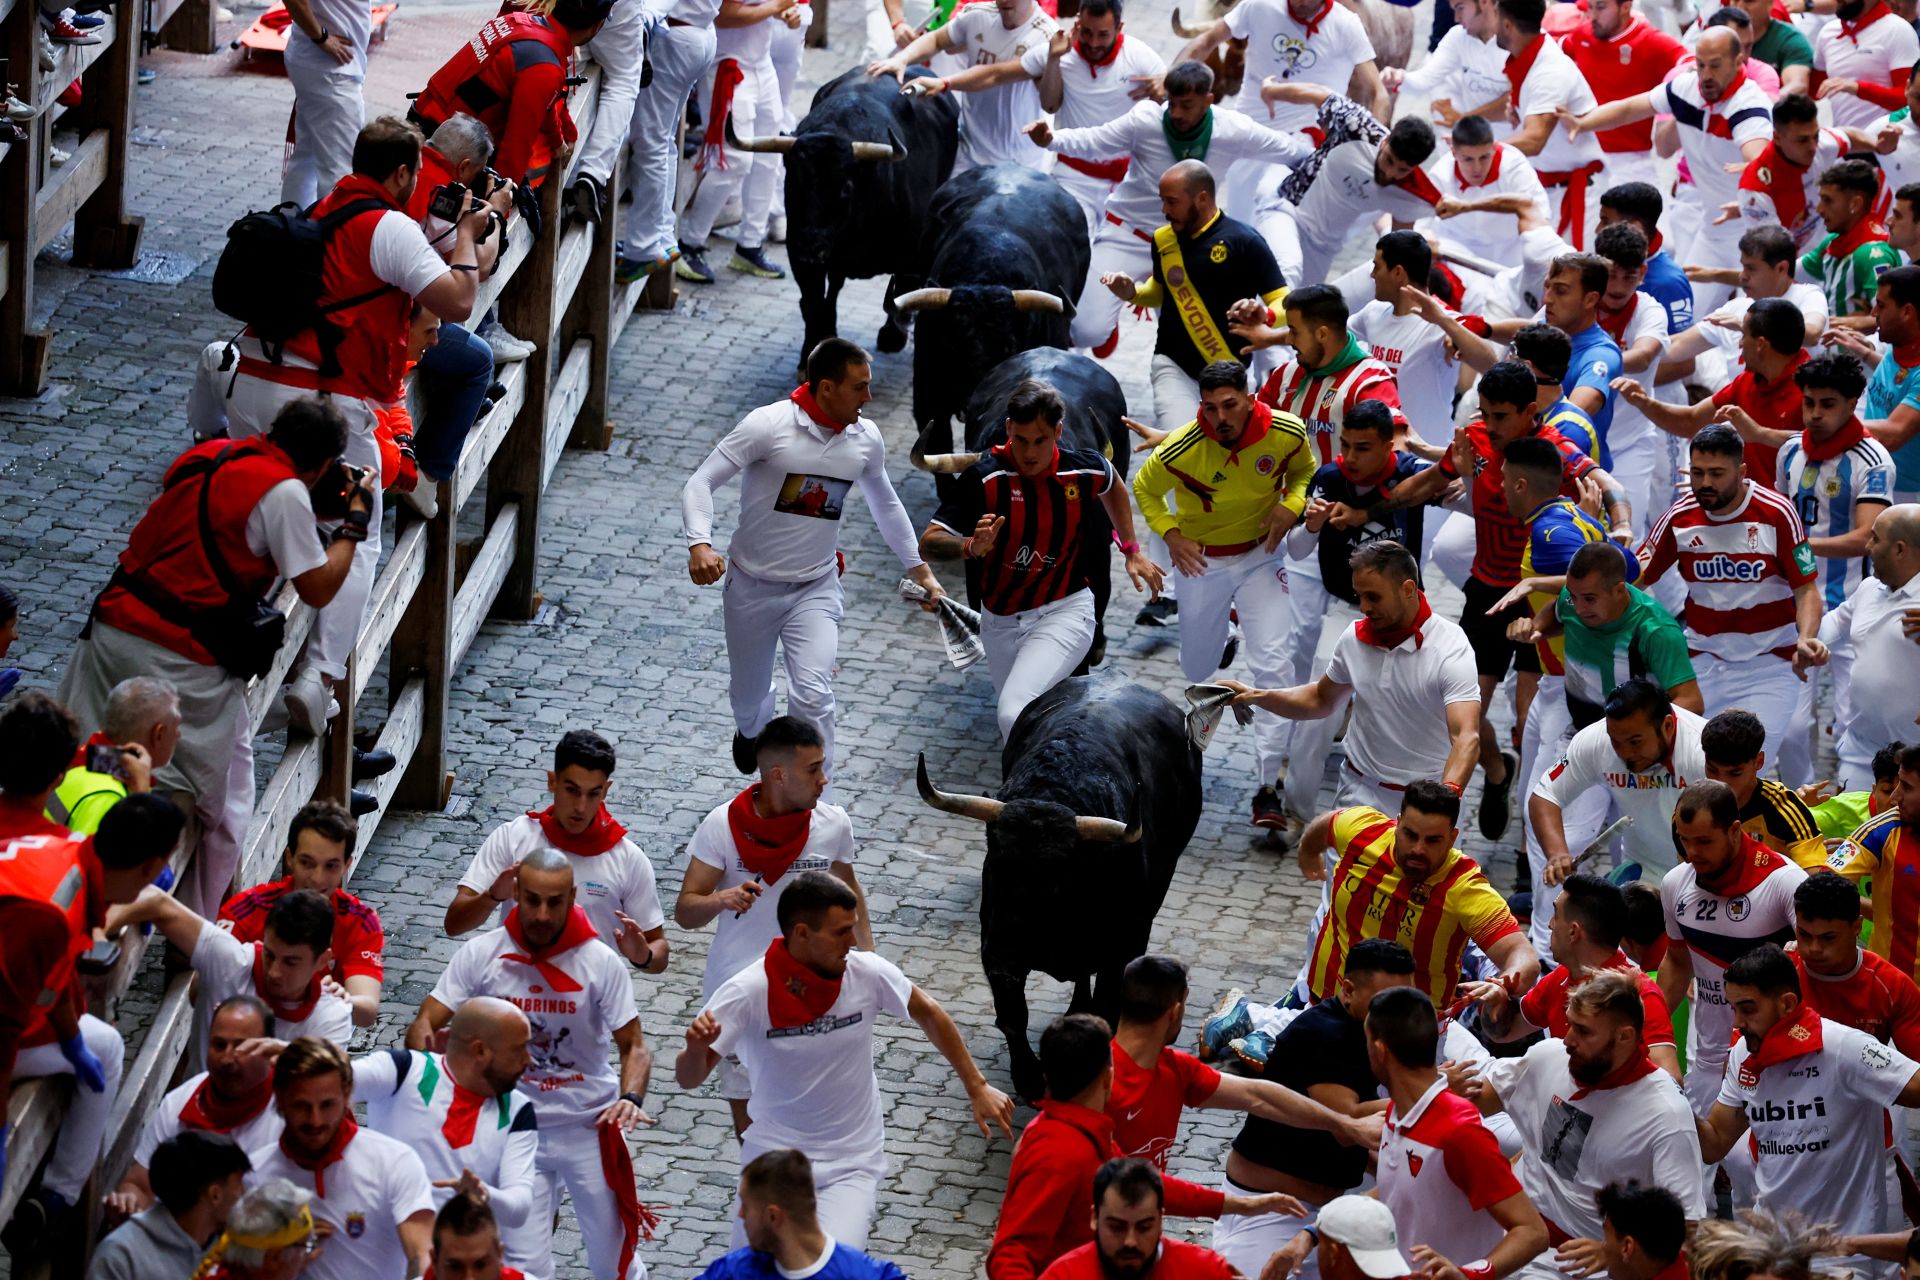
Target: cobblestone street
x: 626, y: 645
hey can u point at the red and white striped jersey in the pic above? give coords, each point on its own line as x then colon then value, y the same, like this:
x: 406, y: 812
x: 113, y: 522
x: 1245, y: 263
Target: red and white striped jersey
x: 1321, y: 401
x: 1740, y: 568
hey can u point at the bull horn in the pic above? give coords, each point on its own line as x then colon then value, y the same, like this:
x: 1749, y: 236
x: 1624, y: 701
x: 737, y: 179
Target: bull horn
x: 983, y: 808
x: 878, y: 151
x: 780, y: 145
x: 1105, y: 830
x: 941, y: 464
x: 1181, y: 29
x: 1038, y: 300
x: 924, y: 300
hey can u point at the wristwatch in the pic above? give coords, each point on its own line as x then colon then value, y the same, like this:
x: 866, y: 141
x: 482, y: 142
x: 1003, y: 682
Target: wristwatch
x: 323, y: 37
x: 635, y: 1099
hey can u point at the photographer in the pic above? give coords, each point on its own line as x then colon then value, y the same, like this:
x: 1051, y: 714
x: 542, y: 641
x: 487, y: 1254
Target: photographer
x: 138, y: 732
x: 193, y: 611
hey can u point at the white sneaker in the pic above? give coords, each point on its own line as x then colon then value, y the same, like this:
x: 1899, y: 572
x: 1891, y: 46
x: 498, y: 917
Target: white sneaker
x: 43, y: 45
x: 423, y: 498
x: 309, y: 704
x: 507, y: 349
x: 57, y: 156
x: 777, y: 228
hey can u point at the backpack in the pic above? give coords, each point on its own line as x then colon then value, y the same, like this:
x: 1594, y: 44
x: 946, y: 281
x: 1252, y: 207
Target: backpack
x: 269, y: 275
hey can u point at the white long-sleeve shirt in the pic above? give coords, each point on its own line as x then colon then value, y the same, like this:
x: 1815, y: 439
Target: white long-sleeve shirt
x: 794, y: 480
x: 1885, y: 695
x: 1467, y: 72
x: 1138, y: 134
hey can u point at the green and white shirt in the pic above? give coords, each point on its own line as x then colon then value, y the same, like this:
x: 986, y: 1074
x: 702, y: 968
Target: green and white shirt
x: 1849, y: 267
x: 1645, y: 641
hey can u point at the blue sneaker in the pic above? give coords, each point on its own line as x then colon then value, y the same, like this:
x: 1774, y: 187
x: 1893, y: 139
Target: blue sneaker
x: 1225, y: 1024
x: 627, y: 270
x: 754, y: 262
x: 1253, y: 1048
x: 692, y: 265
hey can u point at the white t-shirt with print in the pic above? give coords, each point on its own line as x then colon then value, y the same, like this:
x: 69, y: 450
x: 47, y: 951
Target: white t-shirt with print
x: 1416, y: 351
x: 619, y: 880
x: 1279, y: 45
x: 991, y: 120
x: 375, y: 1185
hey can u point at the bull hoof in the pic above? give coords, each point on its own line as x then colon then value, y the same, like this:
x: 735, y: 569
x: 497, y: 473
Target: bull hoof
x: 1097, y: 651
x: 891, y: 340
x: 1029, y: 1082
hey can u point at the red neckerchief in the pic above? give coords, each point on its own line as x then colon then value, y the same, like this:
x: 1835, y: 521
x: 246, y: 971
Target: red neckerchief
x: 1616, y: 323
x: 335, y: 1152
x: 1877, y: 11
x: 578, y: 930
x: 767, y: 846
x: 1785, y: 1040
x: 1868, y: 228
x: 1256, y: 430
x: 1493, y: 171
x: 1312, y: 24
x: 796, y: 995
x: 1675, y: 1270
x: 1093, y: 68
x: 1844, y: 439
x: 601, y: 834
x: 463, y: 1114
x: 1659, y: 238
x: 803, y: 396
x: 1518, y: 64
x: 209, y: 1114
x: 1717, y: 126
x: 80, y: 753
x: 1390, y: 637
x: 1754, y: 863
x: 290, y: 1011
x: 1360, y: 481
x: 1420, y: 186
x: 1624, y: 1074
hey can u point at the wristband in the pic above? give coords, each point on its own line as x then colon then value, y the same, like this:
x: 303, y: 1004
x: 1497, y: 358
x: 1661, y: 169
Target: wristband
x: 1314, y: 1233
x: 1126, y: 548
x: 635, y: 1099
x: 1458, y: 791
x: 1481, y: 1270
x: 966, y: 548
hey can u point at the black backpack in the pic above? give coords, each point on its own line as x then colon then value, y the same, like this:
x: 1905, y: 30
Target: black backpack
x: 269, y: 275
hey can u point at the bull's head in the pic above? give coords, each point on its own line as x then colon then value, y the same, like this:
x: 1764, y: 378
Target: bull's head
x: 976, y: 326
x: 988, y: 810
x: 822, y: 173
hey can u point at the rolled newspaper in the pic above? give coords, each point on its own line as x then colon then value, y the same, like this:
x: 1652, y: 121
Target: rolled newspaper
x: 1207, y: 701
x: 959, y: 625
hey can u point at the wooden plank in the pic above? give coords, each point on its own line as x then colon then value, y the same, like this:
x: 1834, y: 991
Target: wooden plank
x: 402, y: 737
x: 105, y: 237
x: 584, y: 106
x: 147, y: 1080
x: 422, y: 651
x: 519, y: 245
x: 589, y: 316
x: 484, y: 440
x: 392, y: 591
x: 576, y: 246
x: 33, y: 1117
x: 72, y: 60
x: 569, y: 393
x: 291, y: 786
x: 70, y: 187
x: 627, y: 300
x: 6, y: 271
x: 484, y: 577
x: 262, y: 692
x: 194, y: 28
x: 162, y: 13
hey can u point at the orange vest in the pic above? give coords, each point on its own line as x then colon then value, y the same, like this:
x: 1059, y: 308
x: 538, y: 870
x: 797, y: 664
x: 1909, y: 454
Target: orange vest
x: 44, y: 862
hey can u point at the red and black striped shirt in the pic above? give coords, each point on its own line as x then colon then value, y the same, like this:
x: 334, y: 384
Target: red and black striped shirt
x: 1036, y: 559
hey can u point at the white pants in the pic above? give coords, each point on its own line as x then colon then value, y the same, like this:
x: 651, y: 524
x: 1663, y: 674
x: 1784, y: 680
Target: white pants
x: 1707, y: 246
x: 621, y: 51
x: 845, y: 1193
x: 1636, y: 466
x: 804, y: 619
x: 1091, y: 193
x: 1098, y: 313
x: 1299, y: 260
x: 1312, y: 740
x: 1625, y: 166
x: 1452, y: 551
x: 1176, y: 394
x: 250, y: 411
x: 1255, y: 583
x: 570, y: 1156
x: 327, y: 114
x: 1543, y: 743
x: 1031, y: 651
x: 1767, y: 687
x: 680, y: 56
x: 1247, y: 1243
x: 756, y: 114
x: 1854, y: 769
x: 84, y: 1129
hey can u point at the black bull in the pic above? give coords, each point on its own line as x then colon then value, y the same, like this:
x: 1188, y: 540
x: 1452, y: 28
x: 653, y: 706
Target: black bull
x: 862, y: 170
x: 1100, y: 795
x: 1095, y: 408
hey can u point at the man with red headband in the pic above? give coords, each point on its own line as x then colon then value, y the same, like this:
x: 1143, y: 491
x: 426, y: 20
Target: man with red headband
x: 547, y: 959
x: 748, y: 852
x: 801, y: 1021
x: 614, y: 877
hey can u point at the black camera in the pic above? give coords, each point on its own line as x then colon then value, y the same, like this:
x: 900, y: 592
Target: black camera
x: 449, y: 203
x: 486, y: 184
x: 335, y: 488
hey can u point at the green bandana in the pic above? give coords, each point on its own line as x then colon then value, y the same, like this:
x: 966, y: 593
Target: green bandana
x: 1189, y: 146
x: 1350, y: 355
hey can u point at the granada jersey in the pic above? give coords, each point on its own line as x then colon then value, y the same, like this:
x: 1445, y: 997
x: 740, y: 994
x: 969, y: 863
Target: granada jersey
x: 1440, y: 1170
x: 1321, y: 400
x: 1371, y: 897
x: 1036, y: 559
x: 1741, y: 568
x: 1874, y: 997
x: 1825, y: 495
x: 165, y: 1122
x: 1712, y: 134
x: 1775, y: 190
x: 358, y: 940
x: 575, y: 1001
x: 604, y: 884
x: 409, y: 1096
x: 1146, y: 1102
x: 1777, y: 817
x: 1719, y: 928
x: 1545, y: 1004
x: 1631, y: 63
x: 1849, y: 267
x: 1499, y: 537
x: 1884, y: 852
x: 1817, y: 1125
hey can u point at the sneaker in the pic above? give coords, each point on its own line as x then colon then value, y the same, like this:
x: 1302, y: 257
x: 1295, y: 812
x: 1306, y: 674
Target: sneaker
x: 309, y: 704
x: 1253, y: 1049
x: 1496, y: 800
x: 1227, y: 1022
x: 423, y: 499
x: 377, y: 763
x: 85, y: 21
x: 589, y: 197
x: 692, y: 265
x: 361, y: 802
x: 777, y: 229
x: 57, y: 156
x: 1268, y: 811
x: 627, y: 270
x: 147, y: 75
x: 17, y: 110
x: 43, y: 45
x: 506, y: 348
x: 1231, y: 649
x: 745, y: 753
x: 754, y: 262
x: 29, y: 1233
x: 1157, y: 613
x: 62, y: 31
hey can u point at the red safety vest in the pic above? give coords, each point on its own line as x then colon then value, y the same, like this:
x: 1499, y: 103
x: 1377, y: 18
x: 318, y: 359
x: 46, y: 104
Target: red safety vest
x: 41, y: 861
x: 478, y: 81
x: 166, y: 550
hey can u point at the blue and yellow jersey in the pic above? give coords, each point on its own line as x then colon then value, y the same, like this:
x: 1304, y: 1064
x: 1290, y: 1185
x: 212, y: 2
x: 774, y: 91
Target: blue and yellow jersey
x: 1884, y: 852
x: 1555, y: 531
x: 1571, y: 421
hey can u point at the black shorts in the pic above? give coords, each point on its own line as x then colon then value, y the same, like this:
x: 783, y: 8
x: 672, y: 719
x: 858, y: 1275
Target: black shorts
x: 1493, y: 652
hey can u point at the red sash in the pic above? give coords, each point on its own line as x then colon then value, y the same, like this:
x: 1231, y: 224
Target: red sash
x: 1390, y: 637
x: 297, y: 1012
x: 1785, y: 1040
x: 210, y: 1115
x: 335, y: 1152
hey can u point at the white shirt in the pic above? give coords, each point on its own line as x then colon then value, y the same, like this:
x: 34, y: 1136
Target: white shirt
x: 1281, y: 46
x: 795, y: 475
x: 1552, y: 82
x: 281, y: 527
x: 816, y: 1090
x: 263, y: 1130
x: 1884, y: 695
x: 1902, y: 165
x: 1139, y: 134
x: 225, y: 966
x: 1748, y: 115
x: 408, y: 1095
x: 1344, y: 195
x: 350, y: 18
x: 739, y: 941
x: 991, y: 120
x: 1870, y: 55
x: 1417, y: 353
x: 1808, y: 297
x: 1493, y: 236
x: 1398, y: 733
x: 1648, y: 798
x: 604, y: 884
x: 1093, y: 96
x: 1467, y: 72
x: 1718, y: 929
x: 1439, y: 1181
x: 1629, y: 426
x: 1817, y: 1126
x: 376, y: 1184
x: 1575, y: 1147
x: 570, y: 1077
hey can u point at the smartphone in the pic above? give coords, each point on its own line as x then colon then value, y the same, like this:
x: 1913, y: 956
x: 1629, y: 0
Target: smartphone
x: 107, y: 759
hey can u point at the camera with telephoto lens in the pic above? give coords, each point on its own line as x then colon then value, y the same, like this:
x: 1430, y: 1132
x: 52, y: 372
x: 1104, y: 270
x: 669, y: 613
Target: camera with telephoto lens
x: 332, y: 493
x: 449, y: 203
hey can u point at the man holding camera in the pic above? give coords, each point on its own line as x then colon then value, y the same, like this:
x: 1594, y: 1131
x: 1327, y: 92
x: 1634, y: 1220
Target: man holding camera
x: 192, y: 610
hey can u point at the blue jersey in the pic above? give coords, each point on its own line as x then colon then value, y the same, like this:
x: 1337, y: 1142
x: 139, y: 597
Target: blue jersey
x: 1335, y: 547
x: 1668, y: 285
x: 1826, y: 495
x: 1890, y: 387
x: 1596, y: 363
x: 846, y: 1263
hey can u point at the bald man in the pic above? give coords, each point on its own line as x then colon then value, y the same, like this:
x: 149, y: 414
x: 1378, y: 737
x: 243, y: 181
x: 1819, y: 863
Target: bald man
x: 460, y: 1113
x: 1883, y: 697
x: 576, y: 996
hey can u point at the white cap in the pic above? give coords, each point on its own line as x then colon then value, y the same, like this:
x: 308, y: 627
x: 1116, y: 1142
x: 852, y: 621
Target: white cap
x: 1365, y: 1226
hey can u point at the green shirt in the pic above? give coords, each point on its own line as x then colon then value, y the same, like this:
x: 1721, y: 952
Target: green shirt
x: 83, y: 798
x: 1645, y: 641
x: 1842, y: 815
x: 1782, y: 47
x: 1851, y: 279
